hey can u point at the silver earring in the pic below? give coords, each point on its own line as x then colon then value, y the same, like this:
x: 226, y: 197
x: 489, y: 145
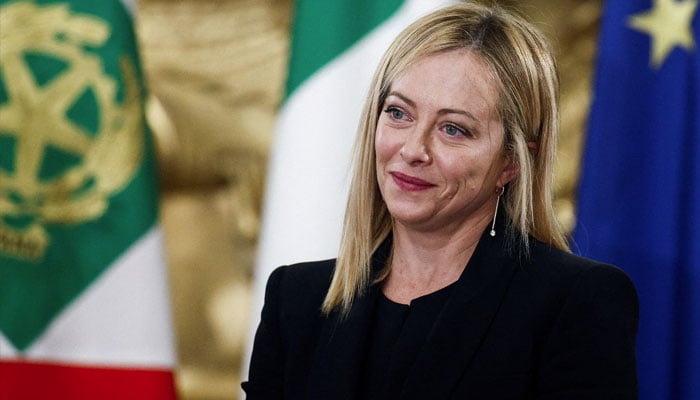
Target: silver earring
x: 495, y: 213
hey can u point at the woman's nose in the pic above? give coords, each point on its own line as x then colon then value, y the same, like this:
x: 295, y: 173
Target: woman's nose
x: 415, y: 147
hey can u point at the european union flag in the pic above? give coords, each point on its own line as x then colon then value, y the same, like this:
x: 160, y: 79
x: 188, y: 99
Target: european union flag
x: 639, y: 196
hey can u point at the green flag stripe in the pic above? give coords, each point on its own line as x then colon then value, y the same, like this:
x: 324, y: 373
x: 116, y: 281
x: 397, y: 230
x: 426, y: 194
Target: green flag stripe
x: 324, y: 29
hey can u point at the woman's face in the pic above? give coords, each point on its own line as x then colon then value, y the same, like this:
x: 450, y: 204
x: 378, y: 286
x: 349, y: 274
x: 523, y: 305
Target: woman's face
x: 439, y: 143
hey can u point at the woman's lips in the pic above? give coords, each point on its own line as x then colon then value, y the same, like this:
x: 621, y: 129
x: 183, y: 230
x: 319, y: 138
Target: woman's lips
x: 410, y: 183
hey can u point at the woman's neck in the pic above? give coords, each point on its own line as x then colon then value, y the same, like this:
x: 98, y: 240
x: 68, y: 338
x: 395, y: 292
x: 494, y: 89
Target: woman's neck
x: 424, y: 262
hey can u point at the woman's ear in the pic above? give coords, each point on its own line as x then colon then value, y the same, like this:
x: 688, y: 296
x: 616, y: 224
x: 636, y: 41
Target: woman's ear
x: 509, y: 172
x: 533, y: 147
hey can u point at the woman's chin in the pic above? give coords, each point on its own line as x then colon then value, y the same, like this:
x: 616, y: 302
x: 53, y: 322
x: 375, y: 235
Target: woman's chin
x: 413, y: 218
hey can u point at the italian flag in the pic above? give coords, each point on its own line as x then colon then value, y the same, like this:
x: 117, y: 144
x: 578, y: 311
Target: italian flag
x: 336, y: 46
x: 84, y: 306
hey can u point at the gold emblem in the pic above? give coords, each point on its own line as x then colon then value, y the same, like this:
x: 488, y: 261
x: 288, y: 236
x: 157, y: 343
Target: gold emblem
x: 37, y: 117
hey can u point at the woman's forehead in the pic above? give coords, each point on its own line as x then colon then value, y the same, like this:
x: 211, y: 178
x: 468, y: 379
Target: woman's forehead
x: 455, y: 78
x: 399, y: 68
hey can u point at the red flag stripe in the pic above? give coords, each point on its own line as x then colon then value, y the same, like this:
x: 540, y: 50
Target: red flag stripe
x: 30, y: 381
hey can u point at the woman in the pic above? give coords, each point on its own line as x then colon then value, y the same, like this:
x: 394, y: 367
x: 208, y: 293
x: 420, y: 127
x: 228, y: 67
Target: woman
x: 453, y: 279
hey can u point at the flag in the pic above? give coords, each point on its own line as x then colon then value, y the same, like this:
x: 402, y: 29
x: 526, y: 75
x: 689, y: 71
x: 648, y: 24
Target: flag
x: 336, y: 46
x: 84, y: 307
x: 639, y: 195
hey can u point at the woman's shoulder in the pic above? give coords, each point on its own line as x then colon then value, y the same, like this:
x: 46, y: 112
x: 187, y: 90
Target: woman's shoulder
x: 576, y: 293
x: 586, y: 315
x: 313, y: 273
x: 564, y: 269
x: 301, y: 285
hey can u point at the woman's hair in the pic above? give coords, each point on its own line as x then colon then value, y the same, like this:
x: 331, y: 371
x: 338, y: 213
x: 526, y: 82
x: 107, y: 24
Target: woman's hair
x: 522, y: 63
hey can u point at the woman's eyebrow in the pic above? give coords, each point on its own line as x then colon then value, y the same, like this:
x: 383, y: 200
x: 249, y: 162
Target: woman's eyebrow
x: 457, y: 111
x: 402, y: 97
x: 442, y: 111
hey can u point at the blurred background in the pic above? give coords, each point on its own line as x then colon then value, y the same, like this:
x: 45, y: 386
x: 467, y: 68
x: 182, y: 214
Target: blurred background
x: 216, y: 71
x: 253, y: 106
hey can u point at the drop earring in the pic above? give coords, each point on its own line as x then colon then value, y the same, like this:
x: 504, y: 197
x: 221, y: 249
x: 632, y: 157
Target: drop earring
x: 495, y: 213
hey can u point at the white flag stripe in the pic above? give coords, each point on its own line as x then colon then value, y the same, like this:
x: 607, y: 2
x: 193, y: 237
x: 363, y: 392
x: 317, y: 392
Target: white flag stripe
x: 308, y: 177
x: 123, y: 319
x: 6, y: 349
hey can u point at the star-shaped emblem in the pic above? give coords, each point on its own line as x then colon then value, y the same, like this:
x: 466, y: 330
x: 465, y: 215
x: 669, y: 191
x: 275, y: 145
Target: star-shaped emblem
x: 669, y: 25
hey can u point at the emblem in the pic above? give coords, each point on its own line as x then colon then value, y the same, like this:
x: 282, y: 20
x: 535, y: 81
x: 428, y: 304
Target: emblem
x: 69, y: 138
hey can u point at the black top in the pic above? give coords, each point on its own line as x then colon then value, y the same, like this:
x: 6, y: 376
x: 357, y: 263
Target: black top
x: 548, y: 325
x: 398, y: 332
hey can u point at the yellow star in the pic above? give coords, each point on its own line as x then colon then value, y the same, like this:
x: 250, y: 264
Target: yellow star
x: 668, y: 24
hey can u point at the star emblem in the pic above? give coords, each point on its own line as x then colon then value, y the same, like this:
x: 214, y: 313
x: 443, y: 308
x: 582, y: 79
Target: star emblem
x: 669, y: 25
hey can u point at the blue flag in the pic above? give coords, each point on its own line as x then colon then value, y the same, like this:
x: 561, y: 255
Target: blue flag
x: 639, y: 196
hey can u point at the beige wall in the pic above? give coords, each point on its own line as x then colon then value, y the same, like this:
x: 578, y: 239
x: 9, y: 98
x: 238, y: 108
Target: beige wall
x: 215, y: 69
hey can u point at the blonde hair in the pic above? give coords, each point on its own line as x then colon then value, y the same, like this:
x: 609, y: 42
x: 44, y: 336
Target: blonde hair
x: 522, y: 62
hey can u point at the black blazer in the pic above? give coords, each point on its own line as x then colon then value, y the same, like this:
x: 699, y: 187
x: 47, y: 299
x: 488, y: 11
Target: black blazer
x: 549, y: 326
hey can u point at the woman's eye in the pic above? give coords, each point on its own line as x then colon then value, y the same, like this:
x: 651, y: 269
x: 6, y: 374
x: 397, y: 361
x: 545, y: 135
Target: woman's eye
x: 454, y: 131
x: 395, y: 113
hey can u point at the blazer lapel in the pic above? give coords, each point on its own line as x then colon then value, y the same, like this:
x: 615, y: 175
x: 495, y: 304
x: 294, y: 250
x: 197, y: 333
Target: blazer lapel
x: 339, y: 356
x: 344, y: 342
x: 462, y: 323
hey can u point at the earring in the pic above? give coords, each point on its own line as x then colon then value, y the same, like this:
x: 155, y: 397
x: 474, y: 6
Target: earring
x: 495, y: 213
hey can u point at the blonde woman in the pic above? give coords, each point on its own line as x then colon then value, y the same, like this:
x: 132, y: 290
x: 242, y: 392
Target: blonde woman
x: 453, y: 280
